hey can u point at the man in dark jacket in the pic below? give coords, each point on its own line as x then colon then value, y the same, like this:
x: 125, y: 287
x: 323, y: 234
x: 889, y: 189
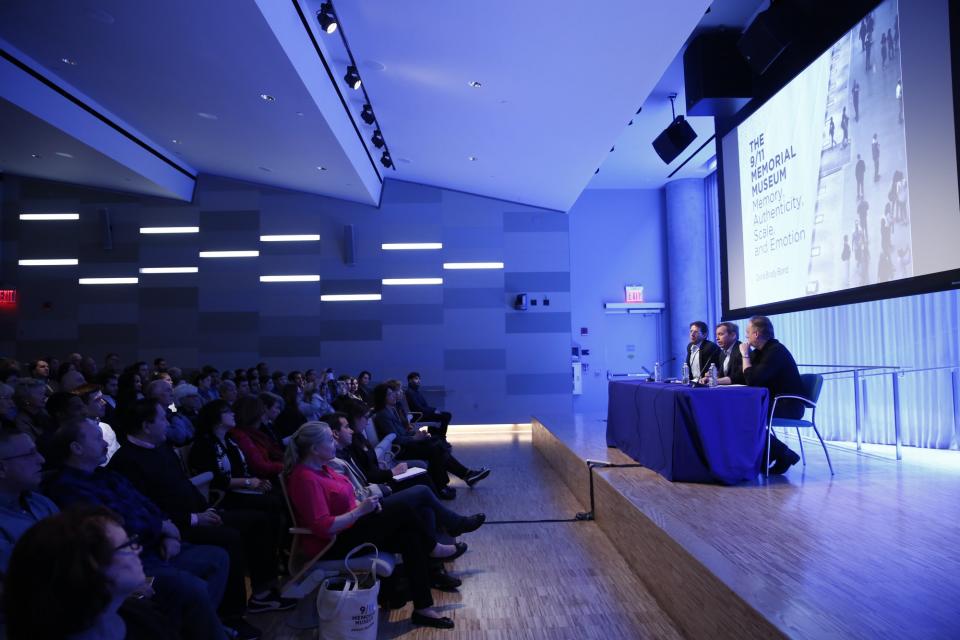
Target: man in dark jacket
x: 418, y: 403
x: 700, y: 352
x: 771, y: 365
x: 728, y: 359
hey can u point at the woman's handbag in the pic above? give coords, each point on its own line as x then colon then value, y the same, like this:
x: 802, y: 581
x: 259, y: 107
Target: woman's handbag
x: 347, y: 604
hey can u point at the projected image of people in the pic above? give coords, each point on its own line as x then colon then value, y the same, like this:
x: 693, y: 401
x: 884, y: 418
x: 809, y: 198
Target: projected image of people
x: 823, y: 172
x: 862, y: 207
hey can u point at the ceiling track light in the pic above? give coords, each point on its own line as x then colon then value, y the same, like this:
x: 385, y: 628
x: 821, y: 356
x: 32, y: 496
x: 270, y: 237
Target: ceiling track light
x: 377, y: 139
x: 367, y: 114
x: 385, y: 160
x: 327, y: 18
x: 352, y: 78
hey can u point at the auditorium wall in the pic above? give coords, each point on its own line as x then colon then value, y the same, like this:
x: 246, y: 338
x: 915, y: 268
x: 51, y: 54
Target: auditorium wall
x: 617, y: 237
x: 479, y: 357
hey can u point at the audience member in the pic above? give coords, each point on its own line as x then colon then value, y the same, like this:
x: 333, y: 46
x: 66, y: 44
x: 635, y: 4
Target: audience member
x: 82, y: 480
x: 263, y: 454
x: 248, y: 536
x: 70, y: 576
x: 325, y: 503
x: 416, y: 402
x: 95, y: 408
x: 181, y: 429
x: 30, y: 397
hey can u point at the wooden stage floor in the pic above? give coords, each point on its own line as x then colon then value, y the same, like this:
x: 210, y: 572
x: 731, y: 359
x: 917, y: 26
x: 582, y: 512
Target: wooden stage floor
x: 545, y: 581
x: 870, y: 553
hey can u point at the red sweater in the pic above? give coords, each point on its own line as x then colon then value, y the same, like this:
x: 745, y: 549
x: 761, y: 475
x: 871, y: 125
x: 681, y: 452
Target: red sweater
x: 317, y: 498
x: 264, y: 457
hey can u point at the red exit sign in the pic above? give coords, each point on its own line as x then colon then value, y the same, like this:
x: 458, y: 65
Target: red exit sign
x: 634, y: 293
x: 8, y: 297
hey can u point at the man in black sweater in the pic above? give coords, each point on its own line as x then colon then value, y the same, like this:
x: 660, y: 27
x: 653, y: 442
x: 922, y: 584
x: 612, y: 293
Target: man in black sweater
x: 417, y: 402
x: 771, y: 365
x: 248, y: 536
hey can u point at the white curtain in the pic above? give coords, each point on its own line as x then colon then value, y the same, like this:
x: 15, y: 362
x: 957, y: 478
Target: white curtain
x: 912, y: 332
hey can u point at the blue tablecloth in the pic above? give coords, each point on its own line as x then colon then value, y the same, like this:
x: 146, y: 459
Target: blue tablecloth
x: 689, y: 435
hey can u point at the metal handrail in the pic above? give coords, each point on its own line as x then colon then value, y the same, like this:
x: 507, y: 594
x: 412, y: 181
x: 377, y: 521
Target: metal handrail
x: 859, y: 373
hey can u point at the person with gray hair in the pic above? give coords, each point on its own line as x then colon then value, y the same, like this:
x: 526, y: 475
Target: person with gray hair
x: 181, y: 429
x: 30, y: 396
x: 324, y: 502
x: 767, y: 363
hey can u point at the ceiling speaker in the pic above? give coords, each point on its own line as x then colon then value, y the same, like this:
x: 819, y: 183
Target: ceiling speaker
x: 674, y: 140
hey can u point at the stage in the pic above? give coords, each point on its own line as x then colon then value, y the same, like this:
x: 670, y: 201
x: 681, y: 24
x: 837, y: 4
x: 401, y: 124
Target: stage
x: 868, y: 553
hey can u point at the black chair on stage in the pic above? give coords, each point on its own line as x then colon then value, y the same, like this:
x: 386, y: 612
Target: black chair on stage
x: 812, y: 384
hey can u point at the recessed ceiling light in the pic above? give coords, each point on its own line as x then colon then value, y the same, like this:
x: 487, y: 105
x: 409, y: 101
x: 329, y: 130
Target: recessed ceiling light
x: 472, y: 158
x: 69, y: 61
x: 321, y: 168
x: 63, y: 154
x: 175, y: 141
x: 266, y: 97
x: 207, y: 116
x: 475, y: 84
x: 36, y: 155
x: 268, y: 170
x: 300, y: 113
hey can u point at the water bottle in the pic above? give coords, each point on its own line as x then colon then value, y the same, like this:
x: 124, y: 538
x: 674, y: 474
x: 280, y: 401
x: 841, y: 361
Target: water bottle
x: 712, y: 375
x: 657, y: 372
x: 685, y: 373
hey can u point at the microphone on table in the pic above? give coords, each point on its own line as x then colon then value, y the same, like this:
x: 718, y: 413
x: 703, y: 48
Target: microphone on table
x: 652, y: 377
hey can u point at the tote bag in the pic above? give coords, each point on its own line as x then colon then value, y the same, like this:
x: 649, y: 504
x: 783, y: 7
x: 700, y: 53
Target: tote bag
x: 347, y: 604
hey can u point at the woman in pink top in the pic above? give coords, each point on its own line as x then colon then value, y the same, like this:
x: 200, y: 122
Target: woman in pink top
x: 324, y: 502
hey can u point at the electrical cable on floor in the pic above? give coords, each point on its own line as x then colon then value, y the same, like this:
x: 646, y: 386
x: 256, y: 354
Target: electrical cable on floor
x: 583, y: 516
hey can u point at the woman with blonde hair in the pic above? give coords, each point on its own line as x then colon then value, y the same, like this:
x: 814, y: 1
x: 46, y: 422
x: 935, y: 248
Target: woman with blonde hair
x: 324, y: 502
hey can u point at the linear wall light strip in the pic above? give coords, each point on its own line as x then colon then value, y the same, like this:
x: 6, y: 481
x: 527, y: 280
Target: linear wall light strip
x: 229, y: 254
x: 402, y: 281
x: 410, y: 246
x: 169, y: 229
x: 303, y: 278
x: 109, y: 280
x: 169, y: 270
x: 49, y: 216
x: 473, y: 265
x: 307, y: 237
x: 52, y: 262
x: 350, y: 297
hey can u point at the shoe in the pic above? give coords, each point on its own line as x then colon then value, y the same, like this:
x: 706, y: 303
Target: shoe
x: 783, y: 463
x: 468, y: 524
x: 444, y: 581
x: 427, y: 621
x: 461, y: 548
x: 476, y: 476
x: 271, y: 602
x: 447, y: 493
x: 240, y: 629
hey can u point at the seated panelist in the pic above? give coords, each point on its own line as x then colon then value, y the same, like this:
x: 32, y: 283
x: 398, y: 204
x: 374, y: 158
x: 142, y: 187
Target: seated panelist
x: 700, y: 352
x: 728, y: 358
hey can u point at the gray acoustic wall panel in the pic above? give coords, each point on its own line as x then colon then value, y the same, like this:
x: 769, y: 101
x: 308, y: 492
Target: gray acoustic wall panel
x: 478, y: 356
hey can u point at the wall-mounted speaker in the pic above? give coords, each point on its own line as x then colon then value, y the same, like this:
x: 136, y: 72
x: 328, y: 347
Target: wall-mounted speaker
x: 768, y: 36
x: 349, y: 244
x: 106, y: 227
x: 717, y: 80
x: 674, y: 139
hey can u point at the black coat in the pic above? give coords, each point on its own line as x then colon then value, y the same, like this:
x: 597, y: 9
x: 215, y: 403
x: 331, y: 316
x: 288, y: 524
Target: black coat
x: 773, y: 367
x: 734, y: 367
x: 707, y: 353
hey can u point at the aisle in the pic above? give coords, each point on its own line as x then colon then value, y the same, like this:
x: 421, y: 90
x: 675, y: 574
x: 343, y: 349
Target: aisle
x: 526, y: 581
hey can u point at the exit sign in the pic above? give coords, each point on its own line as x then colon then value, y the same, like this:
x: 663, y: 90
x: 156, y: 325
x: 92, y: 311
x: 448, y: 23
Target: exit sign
x: 634, y: 293
x: 8, y: 297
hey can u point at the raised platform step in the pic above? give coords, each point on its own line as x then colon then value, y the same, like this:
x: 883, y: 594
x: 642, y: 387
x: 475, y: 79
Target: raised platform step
x: 867, y: 554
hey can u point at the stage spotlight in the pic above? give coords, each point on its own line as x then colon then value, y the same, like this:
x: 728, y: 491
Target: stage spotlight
x: 367, y: 114
x: 352, y: 78
x: 385, y: 160
x: 327, y: 18
x: 377, y: 139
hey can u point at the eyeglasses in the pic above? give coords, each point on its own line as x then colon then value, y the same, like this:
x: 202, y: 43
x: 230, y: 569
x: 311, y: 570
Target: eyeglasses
x: 133, y: 544
x: 28, y: 454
